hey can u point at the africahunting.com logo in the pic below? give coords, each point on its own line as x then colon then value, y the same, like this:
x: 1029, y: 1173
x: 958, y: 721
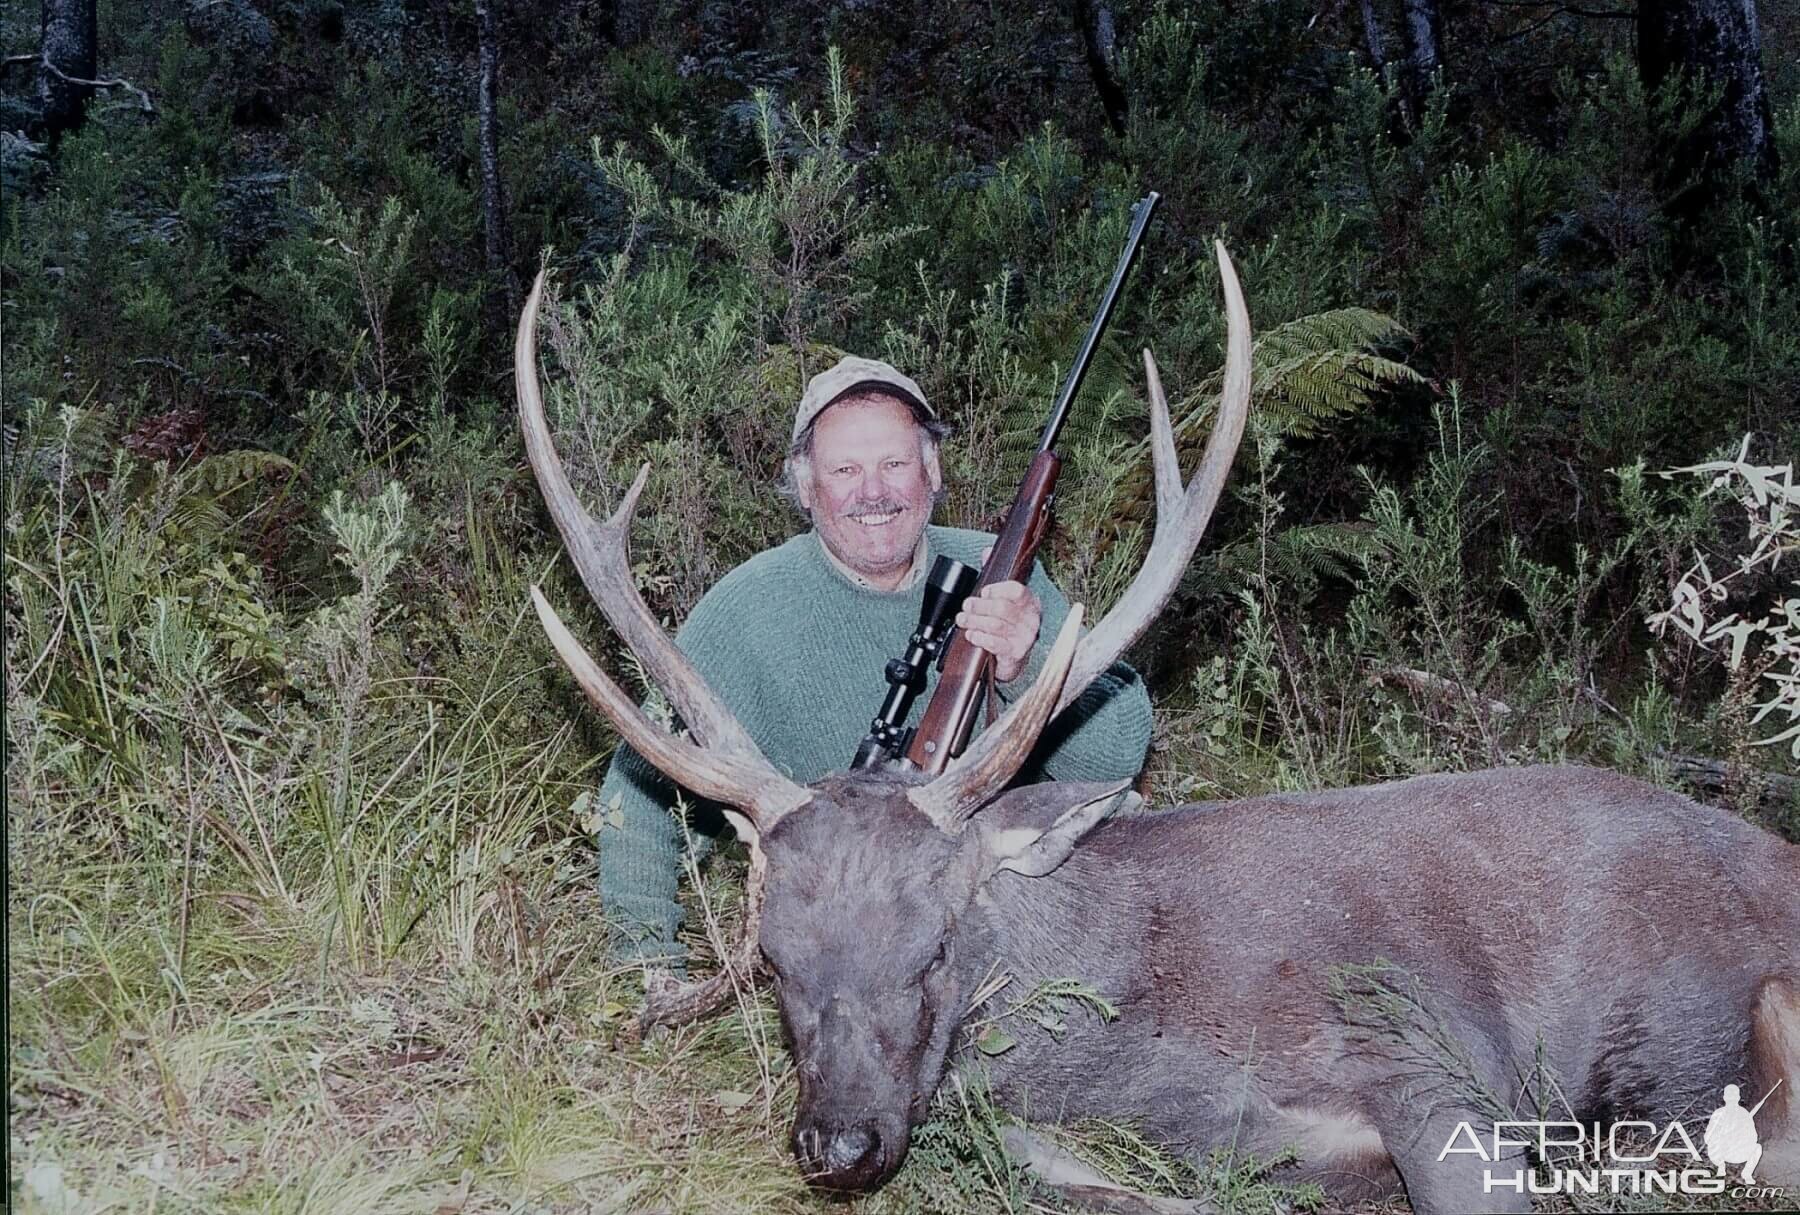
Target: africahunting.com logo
x: 1630, y: 1157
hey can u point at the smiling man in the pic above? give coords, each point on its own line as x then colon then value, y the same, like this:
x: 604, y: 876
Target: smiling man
x: 795, y: 639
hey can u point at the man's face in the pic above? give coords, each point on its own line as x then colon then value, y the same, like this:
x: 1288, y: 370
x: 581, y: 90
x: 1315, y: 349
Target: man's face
x: 869, y: 486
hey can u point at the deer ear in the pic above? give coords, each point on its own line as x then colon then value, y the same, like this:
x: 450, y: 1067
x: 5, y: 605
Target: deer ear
x: 1016, y: 843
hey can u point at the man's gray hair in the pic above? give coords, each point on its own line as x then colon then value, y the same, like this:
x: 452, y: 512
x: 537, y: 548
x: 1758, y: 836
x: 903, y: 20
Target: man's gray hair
x: 933, y: 430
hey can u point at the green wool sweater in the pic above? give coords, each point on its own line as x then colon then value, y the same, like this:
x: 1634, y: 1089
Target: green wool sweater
x: 796, y: 650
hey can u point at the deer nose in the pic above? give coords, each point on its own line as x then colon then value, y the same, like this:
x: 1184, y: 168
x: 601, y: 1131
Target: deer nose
x: 846, y: 1150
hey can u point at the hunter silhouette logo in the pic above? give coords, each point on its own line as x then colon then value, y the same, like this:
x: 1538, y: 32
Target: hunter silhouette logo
x: 1731, y: 1134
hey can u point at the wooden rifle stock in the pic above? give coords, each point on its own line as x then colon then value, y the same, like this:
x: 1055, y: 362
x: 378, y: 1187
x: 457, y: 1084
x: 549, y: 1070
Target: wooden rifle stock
x: 949, y: 719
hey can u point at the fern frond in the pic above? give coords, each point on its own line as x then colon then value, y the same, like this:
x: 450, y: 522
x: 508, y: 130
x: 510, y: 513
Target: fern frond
x: 1303, y: 374
x: 1295, y: 557
x: 1337, y: 329
x: 1309, y: 371
x: 195, y: 495
x: 199, y: 518
x: 225, y: 471
x: 1112, y: 385
x: 1301, y: 393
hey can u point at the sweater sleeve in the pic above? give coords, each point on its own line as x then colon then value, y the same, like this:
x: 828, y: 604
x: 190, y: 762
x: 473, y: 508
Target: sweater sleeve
x: 1105, y: 734
x: 638, y: 838
x: 640, y: 861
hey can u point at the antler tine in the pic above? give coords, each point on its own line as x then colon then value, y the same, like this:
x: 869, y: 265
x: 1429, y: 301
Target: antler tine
x: 728, y: 765
x: 1181, y: 515
x: 710, y: 772
x: 997, y: 755
x: 1163, y: 459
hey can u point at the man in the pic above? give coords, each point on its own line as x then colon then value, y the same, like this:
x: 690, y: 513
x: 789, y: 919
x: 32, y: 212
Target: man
x: 794, y: 640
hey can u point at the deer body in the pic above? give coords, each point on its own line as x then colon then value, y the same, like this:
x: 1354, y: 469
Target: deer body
x: 1639, y: 937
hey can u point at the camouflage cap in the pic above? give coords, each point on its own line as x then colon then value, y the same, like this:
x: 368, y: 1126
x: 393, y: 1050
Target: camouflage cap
x: 852, y: 374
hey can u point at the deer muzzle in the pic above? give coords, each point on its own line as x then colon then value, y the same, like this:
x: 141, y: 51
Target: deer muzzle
x: 849, y: 1156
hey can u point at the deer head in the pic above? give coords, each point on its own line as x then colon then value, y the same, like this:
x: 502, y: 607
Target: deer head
x: 861, y: 880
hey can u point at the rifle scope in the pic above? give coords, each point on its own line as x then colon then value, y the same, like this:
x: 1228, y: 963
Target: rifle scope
x: 946, y: 586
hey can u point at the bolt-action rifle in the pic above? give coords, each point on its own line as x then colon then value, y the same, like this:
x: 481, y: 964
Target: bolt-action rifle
x: 965, y: 670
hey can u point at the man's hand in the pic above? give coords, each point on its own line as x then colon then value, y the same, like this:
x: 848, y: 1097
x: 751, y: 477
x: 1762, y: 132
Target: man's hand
x: 1003, y: 620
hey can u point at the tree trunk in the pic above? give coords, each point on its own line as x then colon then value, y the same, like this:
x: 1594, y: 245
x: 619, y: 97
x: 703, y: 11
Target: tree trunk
x: 1424, y: 26
x: 1373, y: 40
x: 1100, y: 38
x: 70, y: 45
x: 493, y: 201
x: 632, y: 21
x: 1701, y: 48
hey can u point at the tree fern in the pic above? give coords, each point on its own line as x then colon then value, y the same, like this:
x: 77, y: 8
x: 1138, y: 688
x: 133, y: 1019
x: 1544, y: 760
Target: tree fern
x: 1046, y: 347
x: 223, y: 472
x: 1303, y: 374
x: 196, y: 500
x: 1309, y: 371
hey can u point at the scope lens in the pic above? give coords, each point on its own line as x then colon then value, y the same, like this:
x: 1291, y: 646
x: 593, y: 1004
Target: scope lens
x: 948, y: 584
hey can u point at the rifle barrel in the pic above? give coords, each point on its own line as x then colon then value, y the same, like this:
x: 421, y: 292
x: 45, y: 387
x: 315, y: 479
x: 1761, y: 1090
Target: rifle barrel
x: 1065, y: 397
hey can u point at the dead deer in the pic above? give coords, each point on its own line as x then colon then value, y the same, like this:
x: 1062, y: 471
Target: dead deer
x: 1358, y: 973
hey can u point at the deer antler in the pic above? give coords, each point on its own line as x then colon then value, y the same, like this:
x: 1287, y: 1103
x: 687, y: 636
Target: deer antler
x: 1181, y: 515
x: 727, y: 766
x: 995, y: 757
